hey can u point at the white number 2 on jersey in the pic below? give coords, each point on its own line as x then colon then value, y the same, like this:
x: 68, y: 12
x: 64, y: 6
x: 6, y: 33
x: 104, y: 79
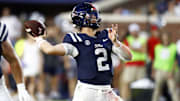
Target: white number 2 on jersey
x: 102, y: 59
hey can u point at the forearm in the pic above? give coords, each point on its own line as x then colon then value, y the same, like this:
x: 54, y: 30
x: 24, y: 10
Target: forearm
x: 49, y: 49
x: 16, y: 71
x: 122, y: 50
x: 45, y: 46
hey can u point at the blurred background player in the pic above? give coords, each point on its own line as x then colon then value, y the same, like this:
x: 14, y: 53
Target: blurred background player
x: 9, y: 54
x: 135, y: 67
x: 92, y: 51
x: 165, y: 67
x: 153, y: 40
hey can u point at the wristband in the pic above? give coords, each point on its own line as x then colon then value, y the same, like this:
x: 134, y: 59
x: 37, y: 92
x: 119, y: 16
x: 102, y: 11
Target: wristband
x: 70, y: 50
x: 20, y: 86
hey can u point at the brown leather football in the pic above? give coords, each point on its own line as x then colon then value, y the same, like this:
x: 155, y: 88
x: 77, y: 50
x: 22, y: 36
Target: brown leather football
x: 35, y: 28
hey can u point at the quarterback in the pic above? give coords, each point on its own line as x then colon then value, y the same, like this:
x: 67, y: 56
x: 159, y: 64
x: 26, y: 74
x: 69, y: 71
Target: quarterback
x: 92, y: 51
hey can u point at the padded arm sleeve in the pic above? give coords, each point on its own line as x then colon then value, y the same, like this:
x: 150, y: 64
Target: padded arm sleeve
x: 70, y: 49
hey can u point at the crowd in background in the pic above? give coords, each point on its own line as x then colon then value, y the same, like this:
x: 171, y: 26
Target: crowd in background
x: 164, y: 7
x: 155, y: 57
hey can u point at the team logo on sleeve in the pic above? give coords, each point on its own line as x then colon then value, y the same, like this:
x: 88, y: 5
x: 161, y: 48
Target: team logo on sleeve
x: 87, y: 42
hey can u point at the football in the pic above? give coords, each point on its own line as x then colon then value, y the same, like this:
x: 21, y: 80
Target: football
x: 34, y: 28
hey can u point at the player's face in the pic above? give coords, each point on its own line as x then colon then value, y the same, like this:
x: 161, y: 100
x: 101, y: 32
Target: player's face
x: 155, y: 33
x: 165, y: 39
x: 135, y: 33
x: 93, y: 19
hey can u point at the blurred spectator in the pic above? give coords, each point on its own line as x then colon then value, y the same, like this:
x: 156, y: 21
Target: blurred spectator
x: 13, y: 23
x: 151, y: 43
x: 122, y: 11
x: 136, y: 67
x: 177, y: 8
x: 171, y: 9
x: 152, y: 9
x: 165, y: 67
x: 32, y: 60
x: 162, y: 6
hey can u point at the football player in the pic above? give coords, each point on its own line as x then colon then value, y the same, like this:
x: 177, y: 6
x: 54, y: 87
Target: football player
x: 9, y: 54
x: 92, y: 50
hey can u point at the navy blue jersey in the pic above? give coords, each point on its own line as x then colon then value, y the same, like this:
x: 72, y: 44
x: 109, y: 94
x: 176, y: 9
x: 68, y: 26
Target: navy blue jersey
x: 94, y: 59
x: 3, y: 37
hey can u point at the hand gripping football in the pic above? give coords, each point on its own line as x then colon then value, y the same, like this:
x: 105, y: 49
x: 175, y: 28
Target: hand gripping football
x: 34, y: 28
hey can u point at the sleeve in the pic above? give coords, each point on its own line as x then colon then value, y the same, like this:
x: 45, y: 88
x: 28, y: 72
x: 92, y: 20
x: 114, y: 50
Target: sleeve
x: 3, y: 32
x: 69, y: 46
x: 120, y: 52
